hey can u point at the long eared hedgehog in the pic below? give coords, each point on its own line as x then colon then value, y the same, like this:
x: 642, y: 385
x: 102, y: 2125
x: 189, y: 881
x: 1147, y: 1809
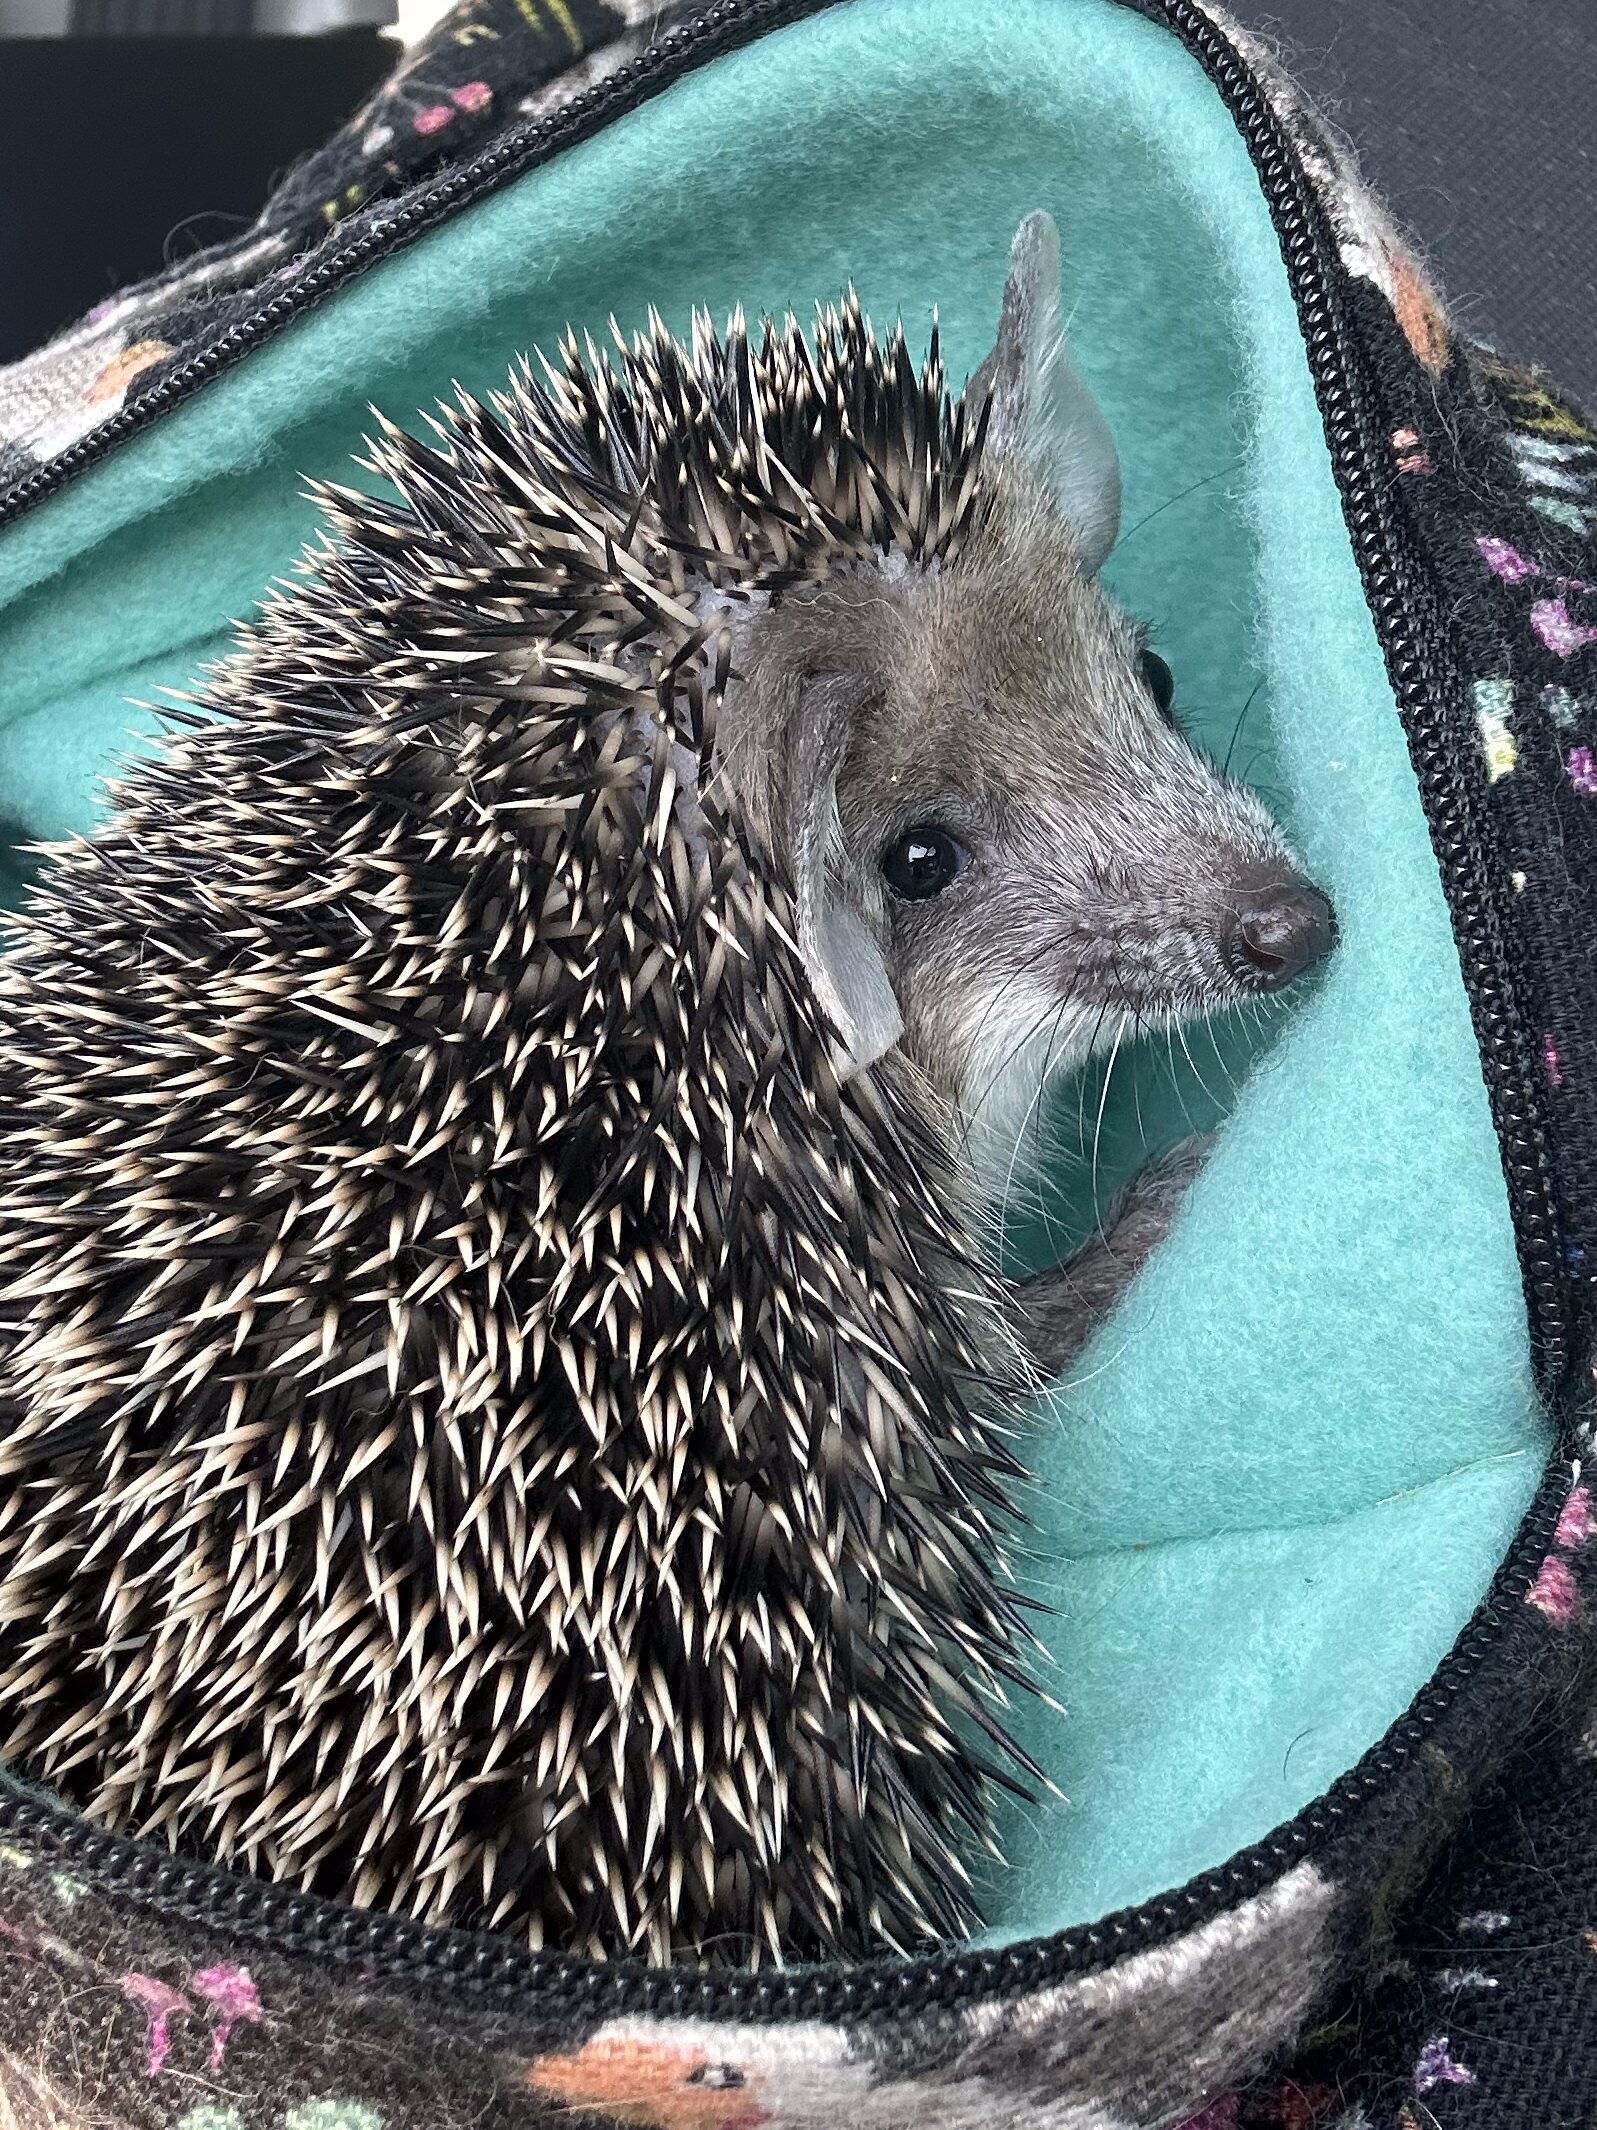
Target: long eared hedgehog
x: 500, y: 1420
x: 503, y: 1413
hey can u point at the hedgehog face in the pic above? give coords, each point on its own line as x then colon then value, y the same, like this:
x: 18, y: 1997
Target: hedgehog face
x: 1043, y: 856
x: 1024, y: 844
x: 1023, y: 855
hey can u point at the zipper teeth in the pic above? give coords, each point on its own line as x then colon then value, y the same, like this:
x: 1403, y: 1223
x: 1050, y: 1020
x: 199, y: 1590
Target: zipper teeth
x: 1425, y: 682
x: 1424, y: 679
x: 392, y: 1948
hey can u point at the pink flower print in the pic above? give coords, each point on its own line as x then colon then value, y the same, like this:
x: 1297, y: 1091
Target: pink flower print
x: 1437, y: 2068
x: 111, y: 382
x: 161, y: 2004
x: 1505, y: 561
x: 1553, y: 1591
x: 1409, y: 452
x: 232, y: 1991
x: 472, y: 96
x: 1552, y: 1064
x: 1582, y: 769
x: 434, y: 118
x: 1553, y: 623
x: 1576, y: 1522
x: 1514, y: 568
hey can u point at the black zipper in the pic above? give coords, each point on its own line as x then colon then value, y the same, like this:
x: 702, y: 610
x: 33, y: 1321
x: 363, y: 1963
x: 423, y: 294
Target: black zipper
x: 1408, y: 618
x: 1425, y: 679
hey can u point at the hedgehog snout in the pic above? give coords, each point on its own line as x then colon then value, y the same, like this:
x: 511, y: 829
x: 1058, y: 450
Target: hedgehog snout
x: 1278, y: 928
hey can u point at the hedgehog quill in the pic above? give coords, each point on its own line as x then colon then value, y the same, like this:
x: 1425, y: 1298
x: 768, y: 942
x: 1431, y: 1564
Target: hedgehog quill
x: 504, y: 1414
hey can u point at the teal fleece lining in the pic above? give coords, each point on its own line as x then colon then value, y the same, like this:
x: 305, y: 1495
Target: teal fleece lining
x: 1282, y: 1474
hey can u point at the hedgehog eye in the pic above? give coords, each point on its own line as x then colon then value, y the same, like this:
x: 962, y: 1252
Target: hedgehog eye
x: 923, y: 861
x: 1161, y: 682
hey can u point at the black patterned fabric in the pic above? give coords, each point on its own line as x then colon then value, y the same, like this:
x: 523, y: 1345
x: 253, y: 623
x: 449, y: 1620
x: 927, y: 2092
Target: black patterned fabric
x: 1507, y: 510
x: 1485, y: 2012
x: 491, y: 68
x: 1419, y: 1949
x: 1479, y: 2005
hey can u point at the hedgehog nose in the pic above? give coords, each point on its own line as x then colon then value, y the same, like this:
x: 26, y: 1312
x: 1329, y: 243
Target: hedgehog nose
x: 1277, y: 930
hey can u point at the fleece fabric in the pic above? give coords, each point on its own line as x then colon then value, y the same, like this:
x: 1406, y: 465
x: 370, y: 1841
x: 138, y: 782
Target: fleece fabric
x: 1278, y: 1481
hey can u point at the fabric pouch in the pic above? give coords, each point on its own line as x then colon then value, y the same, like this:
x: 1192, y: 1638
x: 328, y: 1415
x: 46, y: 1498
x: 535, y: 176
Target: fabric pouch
x: 1309, y: 1524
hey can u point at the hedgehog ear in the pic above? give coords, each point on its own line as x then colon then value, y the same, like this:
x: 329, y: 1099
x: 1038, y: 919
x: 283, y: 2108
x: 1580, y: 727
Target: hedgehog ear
x: 1042, y: 409
x: 844, y: 961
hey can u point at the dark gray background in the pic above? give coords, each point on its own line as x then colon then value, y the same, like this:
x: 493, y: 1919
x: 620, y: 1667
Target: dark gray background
x: 1477, y: 121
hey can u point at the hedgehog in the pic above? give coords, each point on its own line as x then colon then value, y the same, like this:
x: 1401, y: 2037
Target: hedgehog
x: 508, y: 1413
